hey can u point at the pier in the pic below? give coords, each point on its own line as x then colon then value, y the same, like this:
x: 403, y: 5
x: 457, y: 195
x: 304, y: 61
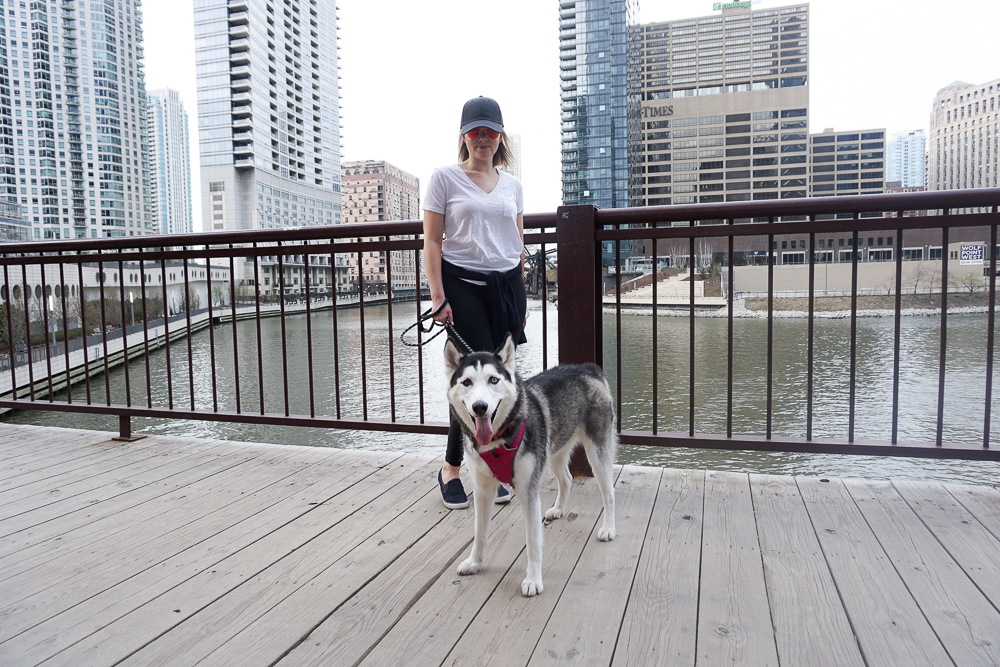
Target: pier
x: 181, y: 551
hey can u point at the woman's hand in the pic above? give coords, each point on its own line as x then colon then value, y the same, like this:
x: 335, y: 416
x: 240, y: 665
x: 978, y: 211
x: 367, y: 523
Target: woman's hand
x: 445, y: 313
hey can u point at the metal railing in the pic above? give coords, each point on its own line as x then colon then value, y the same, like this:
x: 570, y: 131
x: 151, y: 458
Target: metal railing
x: 78, y: 289
x: 584, y: 230
x: 581, y: 234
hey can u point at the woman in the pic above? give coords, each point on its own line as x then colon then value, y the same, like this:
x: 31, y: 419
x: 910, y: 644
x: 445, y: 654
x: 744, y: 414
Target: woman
x: 474, y: 254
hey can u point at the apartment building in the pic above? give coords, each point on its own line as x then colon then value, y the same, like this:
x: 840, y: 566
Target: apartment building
x: 170, y: 161
x: 73, y: 118
x: 268, y: 113
x: 377, y: 191
x: 905, y: 158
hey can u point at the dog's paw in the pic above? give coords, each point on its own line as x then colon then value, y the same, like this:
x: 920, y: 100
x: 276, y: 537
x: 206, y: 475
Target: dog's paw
x: 531, y: 587
x: 469, y: 566
x: 553, y: 513
x: 606, y: 534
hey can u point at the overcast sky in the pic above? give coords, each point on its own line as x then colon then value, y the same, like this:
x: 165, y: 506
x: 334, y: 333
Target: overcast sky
x: 407, y: 67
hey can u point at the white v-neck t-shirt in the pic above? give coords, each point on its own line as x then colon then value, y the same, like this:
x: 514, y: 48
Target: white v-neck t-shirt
x: 480, y: 228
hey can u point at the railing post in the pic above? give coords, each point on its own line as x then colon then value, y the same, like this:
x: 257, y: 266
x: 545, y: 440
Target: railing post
x: 580, y: 295
x: 580, y: 288
x: 125, y: 430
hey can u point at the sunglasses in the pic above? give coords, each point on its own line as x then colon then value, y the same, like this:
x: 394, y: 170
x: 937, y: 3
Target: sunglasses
x: 475, y: 132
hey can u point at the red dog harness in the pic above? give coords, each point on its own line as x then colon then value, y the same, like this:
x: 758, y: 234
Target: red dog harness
x: 501, y: 459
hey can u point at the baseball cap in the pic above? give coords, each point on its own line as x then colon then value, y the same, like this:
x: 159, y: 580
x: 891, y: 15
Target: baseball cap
x: 481, y: 112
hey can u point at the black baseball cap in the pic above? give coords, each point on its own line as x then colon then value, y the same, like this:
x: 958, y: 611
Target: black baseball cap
x: 481, y: 112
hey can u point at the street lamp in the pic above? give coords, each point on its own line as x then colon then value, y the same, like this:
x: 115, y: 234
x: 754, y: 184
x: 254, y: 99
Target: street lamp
x: 131, y: 299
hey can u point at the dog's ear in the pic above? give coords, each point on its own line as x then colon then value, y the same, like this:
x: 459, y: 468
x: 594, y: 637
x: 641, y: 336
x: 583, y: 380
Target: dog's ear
x: 506, y: 354
x: 452, y: 357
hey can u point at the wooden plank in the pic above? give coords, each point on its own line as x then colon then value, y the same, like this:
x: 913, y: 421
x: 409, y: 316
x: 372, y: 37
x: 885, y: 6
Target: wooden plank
x: 584, y: 625
x: 890, y: 628
x: 39, y: 443
x: 964, y: 621
x: 268, y: 615
x: 127, y: 514
x: 734, y: 619
x: 62, y: 584
x: 34, y: 489
x: 115, y: 623
x: 34, y: 516
x: 58, y: 519
x: 972, y: 546
x: 20, y: 439
x: 661, y: 618
x: 509, y: 625
x: 61, y: 453
x: 355, y: 623
x: 431, y: 627
x: 983, y: 502
x: 810, y: 624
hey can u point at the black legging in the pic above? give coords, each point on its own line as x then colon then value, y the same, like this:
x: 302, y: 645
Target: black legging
x: 470, y: 307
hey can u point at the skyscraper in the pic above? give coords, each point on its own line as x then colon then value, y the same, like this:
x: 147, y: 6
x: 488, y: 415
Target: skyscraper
x: 906, y: 158
x: 170, y: 160
x: 600, y: 97
x: 725, y: 106
x: 964, y: 147
x: 268, y: 113
x: 78, y: 117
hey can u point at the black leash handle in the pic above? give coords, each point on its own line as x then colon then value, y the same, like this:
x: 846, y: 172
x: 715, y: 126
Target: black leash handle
x: 447, y: 327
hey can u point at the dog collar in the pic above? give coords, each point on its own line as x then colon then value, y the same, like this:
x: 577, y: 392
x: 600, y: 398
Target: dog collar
x: 501, y: 459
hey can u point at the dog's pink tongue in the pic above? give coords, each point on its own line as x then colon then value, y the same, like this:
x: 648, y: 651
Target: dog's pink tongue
x: 484, y: 430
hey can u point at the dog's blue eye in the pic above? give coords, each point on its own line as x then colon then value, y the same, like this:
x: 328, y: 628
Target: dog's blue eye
x: 494, y: 380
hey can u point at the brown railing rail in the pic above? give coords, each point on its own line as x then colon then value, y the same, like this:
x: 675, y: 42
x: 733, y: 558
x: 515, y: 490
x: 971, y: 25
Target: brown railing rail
x: 80, y: 277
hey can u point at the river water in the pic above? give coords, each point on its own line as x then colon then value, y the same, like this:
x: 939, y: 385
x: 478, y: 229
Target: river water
x: 919, y: 344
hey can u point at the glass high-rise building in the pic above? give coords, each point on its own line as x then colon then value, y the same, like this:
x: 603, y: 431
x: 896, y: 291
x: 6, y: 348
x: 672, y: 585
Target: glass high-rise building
x: 599, y: 101
x: 268, y: 113
x: 170, y: 161
x: 906, y: 158
x: 73, y: 104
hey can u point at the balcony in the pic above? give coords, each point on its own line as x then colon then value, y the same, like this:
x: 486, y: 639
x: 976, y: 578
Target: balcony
x: 238, y: 31
x: 242, y: 97
x: 239, y: 70
x: 238, y: 5
x: 243, y: 162
x: 239, y: 44
x: 244, y: 149
x: 239, y: 17
x: 242, y: 136
x: 240, y: 84
x: 243, y: 123
x: 239, y: 57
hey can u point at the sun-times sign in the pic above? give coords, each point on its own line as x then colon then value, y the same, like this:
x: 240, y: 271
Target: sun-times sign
x: 972, y: 254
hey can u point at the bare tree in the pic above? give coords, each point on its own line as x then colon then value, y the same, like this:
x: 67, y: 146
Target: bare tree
x: 218, y: 295
x: 970, y: 281
x: 13, y: 337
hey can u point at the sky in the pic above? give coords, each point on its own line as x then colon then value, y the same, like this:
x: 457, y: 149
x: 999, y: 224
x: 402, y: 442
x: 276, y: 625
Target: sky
x: 408, y: 67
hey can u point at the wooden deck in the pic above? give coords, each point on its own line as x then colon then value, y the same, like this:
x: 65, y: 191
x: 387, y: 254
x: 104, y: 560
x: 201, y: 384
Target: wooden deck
x: 175, y: 551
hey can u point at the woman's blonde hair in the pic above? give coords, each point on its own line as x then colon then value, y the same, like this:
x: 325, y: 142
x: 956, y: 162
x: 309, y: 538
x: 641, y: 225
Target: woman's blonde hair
x: 503, y: 158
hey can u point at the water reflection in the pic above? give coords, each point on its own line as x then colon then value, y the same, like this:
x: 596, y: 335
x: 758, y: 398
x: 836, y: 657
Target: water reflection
x: 262, y: 372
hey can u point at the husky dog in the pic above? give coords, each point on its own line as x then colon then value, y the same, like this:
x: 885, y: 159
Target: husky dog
x: 513, y: 428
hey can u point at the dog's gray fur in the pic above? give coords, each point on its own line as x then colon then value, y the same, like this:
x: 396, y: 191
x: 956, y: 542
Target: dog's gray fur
x: 565, y: 406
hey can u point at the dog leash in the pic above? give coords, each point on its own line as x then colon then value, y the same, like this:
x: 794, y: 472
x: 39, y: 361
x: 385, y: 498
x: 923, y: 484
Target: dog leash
x: 447, y: 327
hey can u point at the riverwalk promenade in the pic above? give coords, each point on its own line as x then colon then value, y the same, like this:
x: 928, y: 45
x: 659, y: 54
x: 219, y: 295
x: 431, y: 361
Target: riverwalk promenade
x: 184, y: 551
